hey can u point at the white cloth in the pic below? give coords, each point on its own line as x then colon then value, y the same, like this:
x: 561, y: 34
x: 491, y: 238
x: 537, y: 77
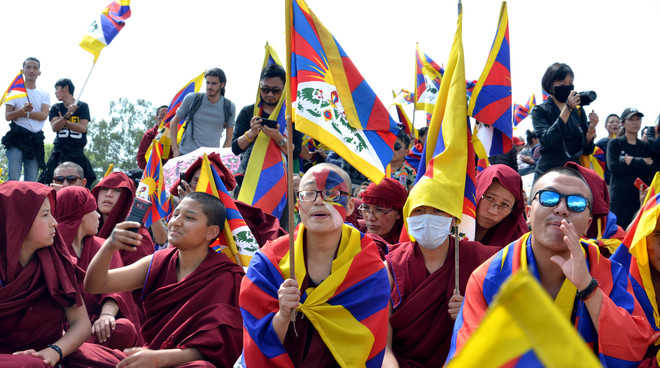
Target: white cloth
x: 38, y: 98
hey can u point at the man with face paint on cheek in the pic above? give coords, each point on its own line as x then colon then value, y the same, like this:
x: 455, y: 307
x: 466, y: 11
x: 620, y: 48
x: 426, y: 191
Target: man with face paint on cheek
x: 340, y: 294
x: 422, y: 273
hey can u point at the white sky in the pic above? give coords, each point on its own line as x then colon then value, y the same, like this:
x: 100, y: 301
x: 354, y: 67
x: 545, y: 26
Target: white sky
x: 612, y: 46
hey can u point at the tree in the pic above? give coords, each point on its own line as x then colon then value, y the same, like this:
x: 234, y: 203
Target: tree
x: 116, y: 141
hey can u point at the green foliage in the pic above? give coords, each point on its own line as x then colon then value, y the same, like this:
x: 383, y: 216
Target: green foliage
x: 3, y: 164
x: 116, y: 141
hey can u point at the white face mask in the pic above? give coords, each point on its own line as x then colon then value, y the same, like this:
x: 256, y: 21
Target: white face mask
x: 430, y: 231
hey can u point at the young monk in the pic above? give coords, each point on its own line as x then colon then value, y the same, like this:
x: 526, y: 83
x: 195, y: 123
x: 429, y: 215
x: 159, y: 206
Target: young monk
x: 340, y: 293
x: 422, y: 271
x: 114, y: 197
x: 500, y: 206
x: 42, y: 317
x: 190, y: 292
x: 77, y: 222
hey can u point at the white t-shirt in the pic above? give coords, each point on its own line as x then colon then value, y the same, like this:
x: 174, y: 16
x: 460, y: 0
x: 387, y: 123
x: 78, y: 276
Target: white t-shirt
x: 38, y: 98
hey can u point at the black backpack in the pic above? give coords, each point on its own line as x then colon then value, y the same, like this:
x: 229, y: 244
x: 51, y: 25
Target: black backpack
x: 197, y: 102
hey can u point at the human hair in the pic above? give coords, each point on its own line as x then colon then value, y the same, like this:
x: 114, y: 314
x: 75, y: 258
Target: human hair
x: 212, y: 207
x: 161, y: 106
x: 422, y: 131
x: 65, y: 82
x: 273, y: 71
x: 563, y: 170
x: 403, y: 137
x: 217, y: 72
x: 32, y: 58
x: 555, y: 72
x: 71, y: 165
x: 531, y: 135
x: 609, y: 116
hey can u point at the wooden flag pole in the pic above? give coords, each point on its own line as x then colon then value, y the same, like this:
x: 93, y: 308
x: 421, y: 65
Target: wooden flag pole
x: 456, y: 260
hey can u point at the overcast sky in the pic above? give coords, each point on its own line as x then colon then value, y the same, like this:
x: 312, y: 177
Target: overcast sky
x: 612, y: 46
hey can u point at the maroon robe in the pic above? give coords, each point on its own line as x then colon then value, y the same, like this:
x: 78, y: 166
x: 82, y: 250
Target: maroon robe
x: 34, y: 297
x: 201, y: 311
x: 421, y: 324
x: 72, y: 204
x: 514, y: 225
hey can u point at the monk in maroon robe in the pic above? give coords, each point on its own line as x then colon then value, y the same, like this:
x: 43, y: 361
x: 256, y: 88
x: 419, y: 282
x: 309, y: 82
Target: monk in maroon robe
x: 500, y: 206
x: 39, y: 295
x: 190, y: 292
x: 111, y: 314
x: 381, y: 209
x: 263, y: 226
x: 422, y: 271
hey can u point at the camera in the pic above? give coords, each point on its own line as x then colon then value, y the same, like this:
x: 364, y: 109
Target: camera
x: 649, y: 132
x: 587, y: 97
x: 269, y: 123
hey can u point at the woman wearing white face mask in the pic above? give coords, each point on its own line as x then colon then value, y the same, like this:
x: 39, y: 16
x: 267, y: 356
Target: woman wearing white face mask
x: 422, y: 275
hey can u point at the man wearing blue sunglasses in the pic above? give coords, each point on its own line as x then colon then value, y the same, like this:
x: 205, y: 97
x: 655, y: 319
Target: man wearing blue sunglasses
x: 595, y: 293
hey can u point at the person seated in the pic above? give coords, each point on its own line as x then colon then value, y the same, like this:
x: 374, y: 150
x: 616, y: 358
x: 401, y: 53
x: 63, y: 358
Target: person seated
x: 591, y: 291
x: 114, y: 197
x: 381, y: 209
x: 112, y: 314
x: 422, y: 271
x: 67, y: 174
x: 264, y: 226
x: 189, y: 292
x: 338, y: 295
x: 500, y: 206
x: 42, y: 315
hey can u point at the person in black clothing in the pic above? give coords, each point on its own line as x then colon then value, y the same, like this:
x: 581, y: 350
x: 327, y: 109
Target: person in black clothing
x: 69, y: 119
x: 560, y: 123
x: 628, y: 158
x: 613, y: 127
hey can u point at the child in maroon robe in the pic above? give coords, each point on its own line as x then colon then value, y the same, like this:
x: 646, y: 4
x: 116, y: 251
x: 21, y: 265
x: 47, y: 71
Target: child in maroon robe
x: 77, y: 222
x: 190, y: 292
x: 39, y: 295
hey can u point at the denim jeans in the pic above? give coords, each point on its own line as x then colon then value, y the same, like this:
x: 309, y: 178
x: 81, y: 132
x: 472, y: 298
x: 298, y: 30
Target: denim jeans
x: 15, y: 161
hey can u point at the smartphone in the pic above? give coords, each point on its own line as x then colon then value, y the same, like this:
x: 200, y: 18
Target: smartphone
x: 182, y: 178
x: 639, y: 184
x: 269, y: 123
x: 141, y: 205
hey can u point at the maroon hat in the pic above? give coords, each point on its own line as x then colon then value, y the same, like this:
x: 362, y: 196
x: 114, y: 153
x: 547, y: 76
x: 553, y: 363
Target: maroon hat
x: 388, y: 194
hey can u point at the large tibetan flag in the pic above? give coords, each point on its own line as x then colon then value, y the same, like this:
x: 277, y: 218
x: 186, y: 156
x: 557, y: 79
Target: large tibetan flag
x: 331, y: 101
x: 448, y: 156
x: 264, y: 183
x: 152, y: 186
x: 15, y: 90
x: 237, y: 241
x: 163, y: 136
x: 428, y: 76
x: 103, y: 30
x: 491, y: 99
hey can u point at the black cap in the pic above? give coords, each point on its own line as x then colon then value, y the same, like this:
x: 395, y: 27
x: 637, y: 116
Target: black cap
x: 630, y: 112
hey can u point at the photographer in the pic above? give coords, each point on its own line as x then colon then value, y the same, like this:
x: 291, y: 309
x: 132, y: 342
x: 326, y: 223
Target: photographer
x: 561, y: 122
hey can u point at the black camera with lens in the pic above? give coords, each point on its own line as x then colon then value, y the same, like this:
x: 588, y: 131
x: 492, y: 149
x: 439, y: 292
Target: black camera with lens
x: 587, y: 97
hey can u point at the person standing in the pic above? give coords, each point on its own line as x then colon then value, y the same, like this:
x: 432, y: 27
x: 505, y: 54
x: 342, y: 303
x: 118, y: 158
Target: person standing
x: 25, y: 140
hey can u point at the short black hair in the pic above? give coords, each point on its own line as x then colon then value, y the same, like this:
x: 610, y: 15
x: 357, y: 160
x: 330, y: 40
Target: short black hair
x: 564, y: 170
x: 71, y: 165
x: 531, y: 135
x: 65, y: 82
x: 32, y: 58
x: 273, y: 71
x: 555, y: 72
x: 161, y: 106
x: 422, y: 131
x: 217, y: 72
x: 212, y: 207
x: 403, y: 137
x: 610, y: 115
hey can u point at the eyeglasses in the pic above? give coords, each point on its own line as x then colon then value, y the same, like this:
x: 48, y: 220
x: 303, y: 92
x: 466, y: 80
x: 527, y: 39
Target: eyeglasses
x: 68, y: 178
x: 503, y: 206
x: 326, y: 195
x: 397, y: 146
x: 265, y: 90
x: 376, y: 211
x: 574, y: 202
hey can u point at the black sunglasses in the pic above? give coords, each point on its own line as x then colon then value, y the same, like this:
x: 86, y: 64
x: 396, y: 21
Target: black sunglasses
x: 68, y: 178
x: 397, y: 146
x: 551, y: 198
x: 266, y: 90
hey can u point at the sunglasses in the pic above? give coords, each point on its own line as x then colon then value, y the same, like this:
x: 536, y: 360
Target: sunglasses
x: 574, y: 202
x: 68, y: 178
x: 266, y: 90
x: 397, y: 146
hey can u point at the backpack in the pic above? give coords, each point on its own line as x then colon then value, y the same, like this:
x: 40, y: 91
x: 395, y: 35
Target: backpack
x: 197, y: 102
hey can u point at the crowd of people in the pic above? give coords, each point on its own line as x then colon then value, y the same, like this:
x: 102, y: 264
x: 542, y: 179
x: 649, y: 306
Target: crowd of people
x: 376, y: 280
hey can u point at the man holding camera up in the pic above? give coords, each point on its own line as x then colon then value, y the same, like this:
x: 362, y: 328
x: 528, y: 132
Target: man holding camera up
x: 561, y: 122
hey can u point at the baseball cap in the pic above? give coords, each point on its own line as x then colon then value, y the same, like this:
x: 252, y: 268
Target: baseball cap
x: 630, y: 112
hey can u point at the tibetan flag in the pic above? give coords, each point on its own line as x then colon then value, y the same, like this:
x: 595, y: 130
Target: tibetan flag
x: 237, y: 241
x: 330, y: 99
x: 448, y: 157
x: 264, y: 184
x: 405, y: 121
x: 595, y: 161
x: 520, y: 112
x: 493, y: 141
x: 491, y: 100
x: 404, y: 96
x: 546, y: 95
x: 15, y: 90
x: 163, y: 136
x: 522, y: 317
x: 428, y: 76
x: 152, y: 185
x: 103, y: 30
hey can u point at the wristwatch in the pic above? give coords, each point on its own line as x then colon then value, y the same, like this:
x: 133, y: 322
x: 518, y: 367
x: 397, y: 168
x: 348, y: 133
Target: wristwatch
x: 584, y: 294
x: 27, y: 115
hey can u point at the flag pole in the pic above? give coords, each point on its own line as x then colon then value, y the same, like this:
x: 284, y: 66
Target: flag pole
x: 86, y: 80
x: 456, y: 236
x: 414, y: 90
x: 289, y: 149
